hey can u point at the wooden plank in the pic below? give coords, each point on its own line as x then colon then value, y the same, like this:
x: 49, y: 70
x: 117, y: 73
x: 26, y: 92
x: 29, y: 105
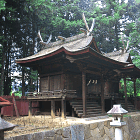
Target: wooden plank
x: 44, y: 84
x: 52, y: 108
x: 84, y: 92
x: 125, y: 91
x: 15, y: 106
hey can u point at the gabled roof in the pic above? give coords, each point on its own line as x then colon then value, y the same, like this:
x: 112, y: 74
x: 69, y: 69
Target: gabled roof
x: 73, y: 46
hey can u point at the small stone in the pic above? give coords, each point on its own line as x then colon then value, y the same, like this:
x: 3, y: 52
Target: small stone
x: 93, y: 125
x: 66, y: 132
x: 58, y: 137
x: 100, y: 125
x: 106, y: 137
x: 87, y: 131
x: 102, y: 132
x: 50, y: 133
x: 138, y: 135
x: 125, y: 128
x: 95, y: 134
x: 38, y: 136
x: 107, y: 123
x: 28, y: 136
x: 112, y: 133
x: 125, y: 136
x: 77, y: 132
x: 106, y: 131
x: 58, y: 131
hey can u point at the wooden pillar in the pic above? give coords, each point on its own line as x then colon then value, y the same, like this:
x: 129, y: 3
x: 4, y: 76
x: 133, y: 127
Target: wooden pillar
x: 84, y: 92
x: 30, y: 108
x: 1, y: 135
x: 0, y: 110
x: 63, y: 108
x: 135, y: 94
x: 48, y: 83
x: 102, y: 94
x: 72, y: 112
x: 52, y: 108
x: 125, y: 92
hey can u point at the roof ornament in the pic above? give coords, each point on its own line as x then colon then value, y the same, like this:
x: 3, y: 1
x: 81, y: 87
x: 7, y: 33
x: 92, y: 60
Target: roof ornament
x: 88, y: 31
x: 41, y: 40
x: 125, y: 47
x: 62, y: 38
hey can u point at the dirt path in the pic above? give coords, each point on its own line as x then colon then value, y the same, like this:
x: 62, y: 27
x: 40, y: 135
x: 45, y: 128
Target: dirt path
x: 26, y: 125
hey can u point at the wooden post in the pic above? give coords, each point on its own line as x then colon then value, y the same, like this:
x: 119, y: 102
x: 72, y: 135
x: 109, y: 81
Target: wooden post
x: 63, y: 108
x: 72, y: 112
x: 30, y: 109
x: 102, y: 94
x: 14, y: 102
x: 48, y: 83
x: 84, y: 92
x: 125, y: 91
x: 0, y: 110
x: 135, y: 94
x: 53, y: 108
x: 1, y: 135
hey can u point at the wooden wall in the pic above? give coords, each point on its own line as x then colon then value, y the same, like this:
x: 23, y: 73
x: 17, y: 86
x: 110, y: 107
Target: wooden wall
x: 44, y: 84
x: 94, y: 88
x: 54, y: 83
x: 74, y: 82
x: 110, y: 87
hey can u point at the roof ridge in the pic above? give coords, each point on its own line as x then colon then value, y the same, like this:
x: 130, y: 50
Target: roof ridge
x: 67, y: 40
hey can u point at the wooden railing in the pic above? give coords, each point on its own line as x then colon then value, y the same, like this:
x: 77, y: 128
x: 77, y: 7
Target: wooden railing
x: 53, y: 94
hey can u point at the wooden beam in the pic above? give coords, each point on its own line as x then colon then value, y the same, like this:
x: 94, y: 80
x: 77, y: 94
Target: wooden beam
x: 135, y: 94
x: 84, y: 92
x: 30, y: 109
x: 52, y: 108
x: 102, y: 94
x: 50, y: 74
x: 93, y: 72
x: 125, y: 91
x: 63, y: 108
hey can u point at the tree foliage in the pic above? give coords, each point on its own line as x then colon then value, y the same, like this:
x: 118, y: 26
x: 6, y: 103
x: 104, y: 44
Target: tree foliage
x: 20, y: 21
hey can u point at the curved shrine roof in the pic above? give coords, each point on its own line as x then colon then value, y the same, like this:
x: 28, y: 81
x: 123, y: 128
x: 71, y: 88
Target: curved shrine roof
x: 75, y: 45
x: 118, y: 56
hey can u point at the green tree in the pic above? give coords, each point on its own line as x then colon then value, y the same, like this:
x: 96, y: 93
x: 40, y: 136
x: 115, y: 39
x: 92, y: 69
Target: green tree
x: 110, y: 21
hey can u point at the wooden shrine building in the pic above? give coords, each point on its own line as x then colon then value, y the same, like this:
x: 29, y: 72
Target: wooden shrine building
x: 77, y: 79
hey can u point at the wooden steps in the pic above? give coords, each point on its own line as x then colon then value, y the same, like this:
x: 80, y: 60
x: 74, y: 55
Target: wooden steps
x: 92, y: 108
